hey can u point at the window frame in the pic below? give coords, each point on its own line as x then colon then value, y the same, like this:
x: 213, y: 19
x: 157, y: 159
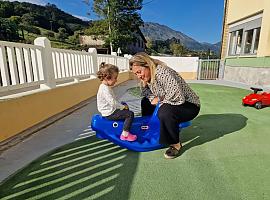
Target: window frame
x: 252, y: 23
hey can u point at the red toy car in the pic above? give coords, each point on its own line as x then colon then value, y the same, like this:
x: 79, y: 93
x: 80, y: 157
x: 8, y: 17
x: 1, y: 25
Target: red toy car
x: 257, y: 100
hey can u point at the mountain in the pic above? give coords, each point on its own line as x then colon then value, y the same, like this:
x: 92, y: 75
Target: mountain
x: 48, y: 17
x: 157, y: 31
x: 214, y: 47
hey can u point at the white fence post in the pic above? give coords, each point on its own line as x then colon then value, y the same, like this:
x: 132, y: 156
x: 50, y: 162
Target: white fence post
x: 93, y: 52
x: 128, y: 56
x: 47, y: 62
x: 199, y: 69
x: 221, y: 70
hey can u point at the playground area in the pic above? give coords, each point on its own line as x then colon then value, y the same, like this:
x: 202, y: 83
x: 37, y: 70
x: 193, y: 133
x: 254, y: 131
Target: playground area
x: 225, y: 156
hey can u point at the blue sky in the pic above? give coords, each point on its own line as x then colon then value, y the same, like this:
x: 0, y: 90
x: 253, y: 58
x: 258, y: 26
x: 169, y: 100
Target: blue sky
x: 199, y: 19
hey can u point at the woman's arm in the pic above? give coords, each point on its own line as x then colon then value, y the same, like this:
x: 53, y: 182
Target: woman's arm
x: 146, y: 92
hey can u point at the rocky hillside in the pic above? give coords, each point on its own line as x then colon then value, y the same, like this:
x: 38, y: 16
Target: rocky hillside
x: 157, y: 31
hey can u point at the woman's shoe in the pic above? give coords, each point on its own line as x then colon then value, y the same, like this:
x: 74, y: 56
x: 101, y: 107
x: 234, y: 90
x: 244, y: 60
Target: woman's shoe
x: 171, y: 153
x: 130, y: 137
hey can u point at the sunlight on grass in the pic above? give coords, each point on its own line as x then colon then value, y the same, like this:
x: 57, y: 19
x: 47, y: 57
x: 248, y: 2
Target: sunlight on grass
x: 77, y: 159
x: 50, y: 174
x: 76, y: 153
x: 76, y: 148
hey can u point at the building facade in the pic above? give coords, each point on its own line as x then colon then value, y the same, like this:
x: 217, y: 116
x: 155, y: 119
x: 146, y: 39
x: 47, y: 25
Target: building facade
x: 138, y: 45
x: 246, y: 41
x: 97, y: 42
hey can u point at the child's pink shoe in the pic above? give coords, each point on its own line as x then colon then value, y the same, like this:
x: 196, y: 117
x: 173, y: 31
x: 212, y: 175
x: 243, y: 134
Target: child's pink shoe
x: 130, y: 137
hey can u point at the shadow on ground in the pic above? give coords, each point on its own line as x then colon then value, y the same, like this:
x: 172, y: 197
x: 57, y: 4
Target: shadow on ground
x: 206, y: 128
x: 89, y: 168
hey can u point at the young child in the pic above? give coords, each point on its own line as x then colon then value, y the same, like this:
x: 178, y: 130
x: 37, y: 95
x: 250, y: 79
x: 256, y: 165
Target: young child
x: 107, y: 104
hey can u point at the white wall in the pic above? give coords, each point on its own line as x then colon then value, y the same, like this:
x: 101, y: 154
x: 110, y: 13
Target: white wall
x: 180, y: 64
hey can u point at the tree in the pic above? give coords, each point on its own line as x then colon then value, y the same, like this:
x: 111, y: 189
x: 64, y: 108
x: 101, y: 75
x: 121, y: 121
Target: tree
x: 97, y: 28
x: 62, y: 34
x: 6, y: 9
x: 8, y: 30
x: 49, y: 34
x: 75, y: 38
x: 177, y: 49
x: 149, y: 42
x: 17, y: 20
x: 28, y: 19
x: 121, y: 18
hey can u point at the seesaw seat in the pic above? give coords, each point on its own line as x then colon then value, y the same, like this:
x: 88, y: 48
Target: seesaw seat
x: 146, y: 128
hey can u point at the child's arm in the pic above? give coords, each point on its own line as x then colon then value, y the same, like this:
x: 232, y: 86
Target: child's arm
x: 111, y: 99
x: 121, y: 105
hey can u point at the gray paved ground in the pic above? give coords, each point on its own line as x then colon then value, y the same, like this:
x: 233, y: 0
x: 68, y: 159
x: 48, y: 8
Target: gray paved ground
x: 68, y: 129
x: 229, y: 83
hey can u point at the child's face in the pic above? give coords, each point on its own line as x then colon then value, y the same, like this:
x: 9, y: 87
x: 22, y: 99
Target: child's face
x: 112, y: 80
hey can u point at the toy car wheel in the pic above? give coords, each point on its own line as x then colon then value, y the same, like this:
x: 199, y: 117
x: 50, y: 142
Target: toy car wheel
x: 258, y: 105
x: 243, y: 104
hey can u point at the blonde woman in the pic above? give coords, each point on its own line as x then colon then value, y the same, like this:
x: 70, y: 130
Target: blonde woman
x: 179, y: 103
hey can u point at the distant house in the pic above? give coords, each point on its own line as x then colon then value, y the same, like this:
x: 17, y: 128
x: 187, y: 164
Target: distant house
x: 97, y: 42
x: 246, y: 41
x: 139, y: 44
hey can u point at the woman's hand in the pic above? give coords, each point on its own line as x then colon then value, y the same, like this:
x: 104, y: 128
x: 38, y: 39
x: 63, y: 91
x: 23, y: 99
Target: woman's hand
x: 155, y: 101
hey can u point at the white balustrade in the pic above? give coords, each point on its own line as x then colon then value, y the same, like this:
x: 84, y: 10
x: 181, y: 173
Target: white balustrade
x: 120, y: 62
x: 69, y: 64
x: 24, y: 65
x: 20, y: 66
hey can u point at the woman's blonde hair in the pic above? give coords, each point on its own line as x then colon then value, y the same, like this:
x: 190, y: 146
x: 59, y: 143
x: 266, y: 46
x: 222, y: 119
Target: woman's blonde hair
x: 106, y: 71
x: 144, y: 60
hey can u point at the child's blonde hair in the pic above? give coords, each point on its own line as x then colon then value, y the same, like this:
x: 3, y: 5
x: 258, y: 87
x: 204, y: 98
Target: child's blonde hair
x: 106, y: 71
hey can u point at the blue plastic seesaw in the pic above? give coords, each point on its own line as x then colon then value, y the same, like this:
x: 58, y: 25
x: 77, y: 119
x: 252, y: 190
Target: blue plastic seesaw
x: 146, y: 128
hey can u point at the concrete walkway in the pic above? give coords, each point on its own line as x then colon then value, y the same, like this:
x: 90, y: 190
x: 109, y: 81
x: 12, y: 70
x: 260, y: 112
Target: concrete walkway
x: 229, y: 83
x: 66, y: 130
x: 69, y: 129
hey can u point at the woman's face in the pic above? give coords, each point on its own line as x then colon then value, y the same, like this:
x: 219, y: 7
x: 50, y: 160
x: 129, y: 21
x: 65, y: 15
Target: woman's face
x: 141, y: 72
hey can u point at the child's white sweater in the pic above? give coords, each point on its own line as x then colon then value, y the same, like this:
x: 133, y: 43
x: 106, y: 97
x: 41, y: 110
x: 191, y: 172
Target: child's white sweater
x: 106, y: 101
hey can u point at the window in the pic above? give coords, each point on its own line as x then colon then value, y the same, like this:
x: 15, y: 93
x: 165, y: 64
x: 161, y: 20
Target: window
x: 244, y: 36
x: 239, y: 41
x: 232, y: 39
x: 248, y: 41
x: 235, y: 46
x: 256, y: 44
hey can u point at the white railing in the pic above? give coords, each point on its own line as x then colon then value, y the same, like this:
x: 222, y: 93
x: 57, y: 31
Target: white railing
x: 20, y: 66
x: 120, y: 62
x: 69, y: 64
x: 39, y: 65
x: 209, y: 69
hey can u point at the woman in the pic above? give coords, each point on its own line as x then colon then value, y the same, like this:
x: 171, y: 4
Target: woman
x: 179, y: 103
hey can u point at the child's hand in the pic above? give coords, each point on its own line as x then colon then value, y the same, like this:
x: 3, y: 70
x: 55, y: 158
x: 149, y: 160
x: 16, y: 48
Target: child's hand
x: 124, y: 104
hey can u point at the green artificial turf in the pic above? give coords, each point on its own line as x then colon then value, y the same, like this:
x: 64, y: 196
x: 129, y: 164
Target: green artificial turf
x: 226, y: 155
